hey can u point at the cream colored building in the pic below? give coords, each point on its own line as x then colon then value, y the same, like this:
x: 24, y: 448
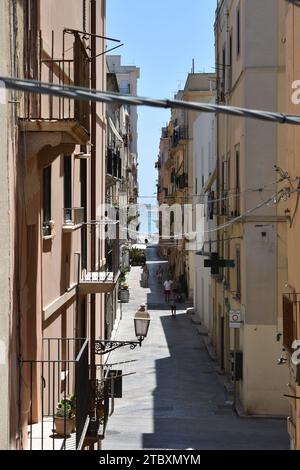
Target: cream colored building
x: 251, y: 66
x: 176, y: 177
x: 204, y: 185
x: 291, y: 327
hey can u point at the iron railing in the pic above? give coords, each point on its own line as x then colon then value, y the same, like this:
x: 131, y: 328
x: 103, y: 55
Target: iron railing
x: 104, y: 275
x: 73, y: 216
x: 47, y: 229
x: 63, y: 371
x: 63, y: 71
x: 179, y: 134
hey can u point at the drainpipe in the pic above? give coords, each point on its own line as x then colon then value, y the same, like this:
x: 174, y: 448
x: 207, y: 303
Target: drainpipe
x: 93, y: 184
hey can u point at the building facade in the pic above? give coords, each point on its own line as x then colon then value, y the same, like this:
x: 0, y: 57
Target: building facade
x: 56, y: 267
x: 291, y: 299
x: 176, y: 183
x: 204, y: 187
x: 127, y: 79
x: 252, y: 225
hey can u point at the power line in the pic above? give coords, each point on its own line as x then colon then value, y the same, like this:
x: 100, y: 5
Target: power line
x: 85, y: 94
x: 276, y: 198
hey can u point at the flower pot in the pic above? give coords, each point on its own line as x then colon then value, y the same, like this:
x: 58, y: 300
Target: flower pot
x: 64, y: 427
x: 124, y: 295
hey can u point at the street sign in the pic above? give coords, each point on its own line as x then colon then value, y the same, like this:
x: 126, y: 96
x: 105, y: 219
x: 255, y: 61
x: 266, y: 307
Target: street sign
x: 215, y: 263
x: 235, y: 319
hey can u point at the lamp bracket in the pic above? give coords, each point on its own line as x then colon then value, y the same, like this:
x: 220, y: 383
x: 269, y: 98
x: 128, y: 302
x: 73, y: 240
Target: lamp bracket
x: 103, y: 346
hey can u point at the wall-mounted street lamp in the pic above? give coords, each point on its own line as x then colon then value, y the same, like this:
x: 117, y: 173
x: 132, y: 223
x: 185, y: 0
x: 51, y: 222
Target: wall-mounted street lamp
x: 141, y: 326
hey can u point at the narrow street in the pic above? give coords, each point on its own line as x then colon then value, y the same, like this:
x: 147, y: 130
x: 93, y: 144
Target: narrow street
x: 176, y: 399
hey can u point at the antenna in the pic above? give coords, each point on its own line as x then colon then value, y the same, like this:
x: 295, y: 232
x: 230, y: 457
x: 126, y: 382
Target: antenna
x: 193, y: 66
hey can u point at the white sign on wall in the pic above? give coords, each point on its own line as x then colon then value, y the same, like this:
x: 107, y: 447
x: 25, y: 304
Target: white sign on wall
x: 235, y: 319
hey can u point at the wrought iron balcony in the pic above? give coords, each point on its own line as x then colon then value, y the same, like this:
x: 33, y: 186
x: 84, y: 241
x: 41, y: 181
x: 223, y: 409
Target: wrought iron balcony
x: 73, y: 218
x: 180, y: 134
x: 54, y: 113
x: 61, y: 377
x: 97, y: 282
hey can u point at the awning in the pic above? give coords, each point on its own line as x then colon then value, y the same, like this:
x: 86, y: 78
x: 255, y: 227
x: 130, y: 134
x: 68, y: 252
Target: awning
x: 114, y: 129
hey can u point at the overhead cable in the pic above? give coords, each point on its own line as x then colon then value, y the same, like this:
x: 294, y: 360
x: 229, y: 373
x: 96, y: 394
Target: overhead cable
x: 85, y: 94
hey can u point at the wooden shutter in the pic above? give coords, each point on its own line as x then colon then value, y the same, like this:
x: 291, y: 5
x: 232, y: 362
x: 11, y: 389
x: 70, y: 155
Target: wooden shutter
x: 288, y: 323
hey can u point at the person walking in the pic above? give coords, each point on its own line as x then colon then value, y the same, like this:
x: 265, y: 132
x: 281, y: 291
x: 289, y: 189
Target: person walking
x: 167, y: 288
x: 145, y: 276
x: 159, y: 274
x: 173, y: 304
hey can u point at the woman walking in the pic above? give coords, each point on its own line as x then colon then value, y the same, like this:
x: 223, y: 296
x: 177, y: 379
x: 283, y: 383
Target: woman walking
x: 173, y: 303
x: 167, y: 288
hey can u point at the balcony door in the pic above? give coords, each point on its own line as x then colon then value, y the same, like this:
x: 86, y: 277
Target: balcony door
x: 67, y: 188
x: 83, y: 203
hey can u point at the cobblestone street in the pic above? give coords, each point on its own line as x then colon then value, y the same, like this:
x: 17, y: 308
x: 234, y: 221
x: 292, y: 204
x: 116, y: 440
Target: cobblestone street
x: 176, y: 399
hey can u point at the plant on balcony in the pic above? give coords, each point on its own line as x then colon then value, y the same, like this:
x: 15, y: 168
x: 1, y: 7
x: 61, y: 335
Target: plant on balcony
x: 65, y: 416
x: 137, y: 257
x: 123, y: 271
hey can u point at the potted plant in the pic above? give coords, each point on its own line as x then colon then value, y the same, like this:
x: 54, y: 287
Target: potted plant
x: 65, y: 416
x: 124, y: 293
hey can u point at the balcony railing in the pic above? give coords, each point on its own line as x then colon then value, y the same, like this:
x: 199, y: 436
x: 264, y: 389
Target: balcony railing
x: 73, y: 217
x: 62, y: 71
x: 62, y: 372
x: 180, y: 133
x: 97, y: 282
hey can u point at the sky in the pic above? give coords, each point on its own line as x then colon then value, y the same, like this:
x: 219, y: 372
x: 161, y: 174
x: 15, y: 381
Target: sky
x: 162, y: 37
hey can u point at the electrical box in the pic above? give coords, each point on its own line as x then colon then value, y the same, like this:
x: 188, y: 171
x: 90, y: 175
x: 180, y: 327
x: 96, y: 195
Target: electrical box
x: 236, y: 359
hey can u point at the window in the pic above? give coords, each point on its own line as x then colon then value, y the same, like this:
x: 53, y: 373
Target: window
x: 46, y: 200
x: 125, y: 87
x: 238, y: 273
x: 237, y: 181
x: 229, y: 85
x: 227, y: 273
x: 289, y: 325
x: 83, y: 203
x: 238, y: 32
x: 223, y: 187
x: 228, y: 183
x: 224, y: 68
x: 172, y: 228
x: 223, y: 177
x: 221, y: 254
x: 68, y: 188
